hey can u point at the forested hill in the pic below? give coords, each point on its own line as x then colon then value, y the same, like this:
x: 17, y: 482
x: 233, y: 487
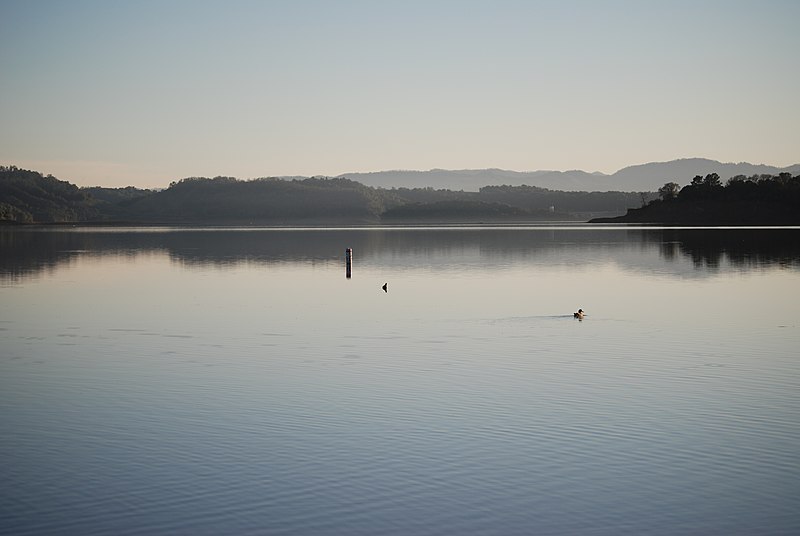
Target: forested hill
x: 29, y: 197
x: 268, y: 201
x: 754, y: 200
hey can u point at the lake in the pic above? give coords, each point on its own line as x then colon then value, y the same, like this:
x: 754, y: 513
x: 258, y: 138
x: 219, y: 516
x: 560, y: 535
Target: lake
x: 235, y: 381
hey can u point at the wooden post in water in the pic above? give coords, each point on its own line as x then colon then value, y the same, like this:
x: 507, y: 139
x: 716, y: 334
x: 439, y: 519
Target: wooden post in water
x: 348, y: 255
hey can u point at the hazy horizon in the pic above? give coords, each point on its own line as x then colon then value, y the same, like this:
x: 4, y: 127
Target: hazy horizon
x: 118, y: 94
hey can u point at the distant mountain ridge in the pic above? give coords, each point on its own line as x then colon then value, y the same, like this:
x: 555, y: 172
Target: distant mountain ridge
x: 637, y: 178
x: 29, y: 197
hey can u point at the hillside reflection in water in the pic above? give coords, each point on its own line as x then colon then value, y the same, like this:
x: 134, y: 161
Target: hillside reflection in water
x: 24, y: 252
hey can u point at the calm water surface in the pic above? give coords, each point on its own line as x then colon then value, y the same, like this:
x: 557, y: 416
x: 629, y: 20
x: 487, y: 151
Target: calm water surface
x: 220, y: 381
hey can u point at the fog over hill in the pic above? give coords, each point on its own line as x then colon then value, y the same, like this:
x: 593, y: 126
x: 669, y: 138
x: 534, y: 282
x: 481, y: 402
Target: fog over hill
x: 638, y: 178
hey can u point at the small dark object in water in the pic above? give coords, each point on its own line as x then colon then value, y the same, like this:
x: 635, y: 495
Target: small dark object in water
x: 579, y: 315
x: 385, y: 287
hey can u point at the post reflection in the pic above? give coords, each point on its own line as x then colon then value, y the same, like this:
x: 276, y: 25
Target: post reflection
x: 26, y: 252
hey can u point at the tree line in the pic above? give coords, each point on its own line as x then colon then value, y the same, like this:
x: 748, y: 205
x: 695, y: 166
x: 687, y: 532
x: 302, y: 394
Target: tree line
x: 741, y: 200
x: 29, y: 197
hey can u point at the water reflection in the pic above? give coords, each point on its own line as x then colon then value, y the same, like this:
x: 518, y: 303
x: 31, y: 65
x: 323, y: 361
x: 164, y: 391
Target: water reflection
x: 28, y: 252
x: 221, y: 383
x: 744, y: 248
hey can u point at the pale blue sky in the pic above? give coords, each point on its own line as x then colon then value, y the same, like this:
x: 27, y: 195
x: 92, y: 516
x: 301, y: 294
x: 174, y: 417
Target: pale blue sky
x: 115, y: 92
